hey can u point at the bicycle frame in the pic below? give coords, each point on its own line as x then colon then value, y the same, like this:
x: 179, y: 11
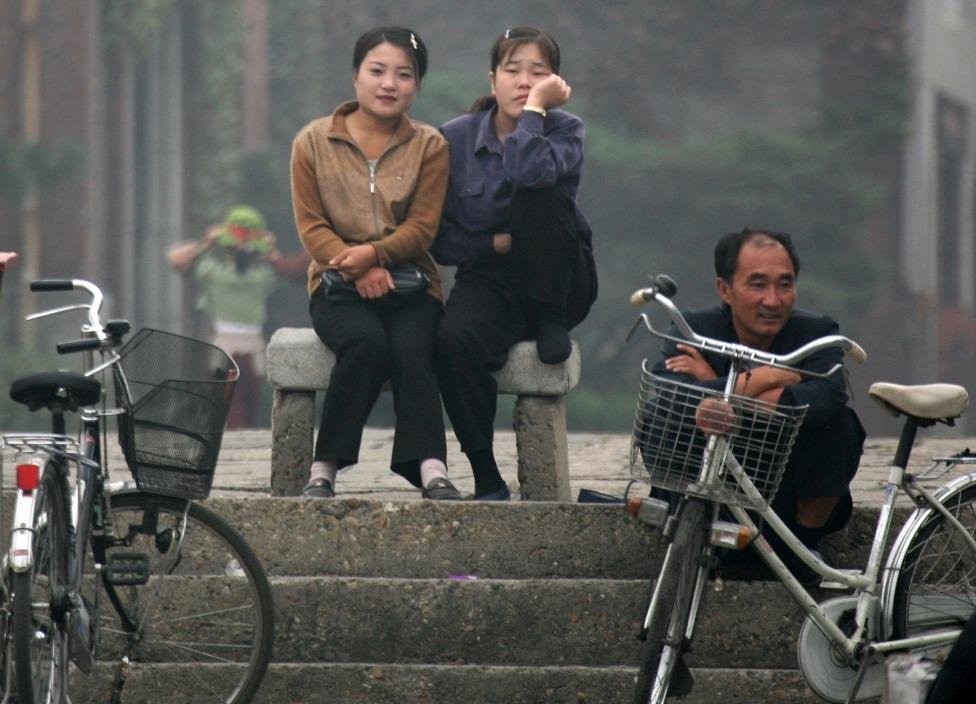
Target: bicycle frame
x: 864, y: 582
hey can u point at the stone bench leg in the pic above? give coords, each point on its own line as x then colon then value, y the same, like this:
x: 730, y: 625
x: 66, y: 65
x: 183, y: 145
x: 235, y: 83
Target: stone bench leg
x: 543, y: 452
x: 292, y: 418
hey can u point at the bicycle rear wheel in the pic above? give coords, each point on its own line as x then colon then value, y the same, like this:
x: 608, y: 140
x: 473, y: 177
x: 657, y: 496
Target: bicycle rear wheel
x: 664, y: 640
x: 936, y: 588
x: 185, y: 607
x: 39, y: 641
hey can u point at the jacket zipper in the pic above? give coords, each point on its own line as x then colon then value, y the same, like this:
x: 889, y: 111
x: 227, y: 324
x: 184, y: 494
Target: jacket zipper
x: 372, y: 181
x: 372, y: 194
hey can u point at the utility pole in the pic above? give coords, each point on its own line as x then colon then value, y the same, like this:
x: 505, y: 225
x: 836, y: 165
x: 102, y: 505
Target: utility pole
x: 30, y: 133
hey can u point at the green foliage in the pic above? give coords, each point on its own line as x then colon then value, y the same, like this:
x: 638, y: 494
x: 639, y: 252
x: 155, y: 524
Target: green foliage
x: 607, y: 411
x: 16, y: 362
x: 447, y: 94
x: 690, y: 193
x: 133, y: 23
x: 25, y: 166
x: 216, y: 96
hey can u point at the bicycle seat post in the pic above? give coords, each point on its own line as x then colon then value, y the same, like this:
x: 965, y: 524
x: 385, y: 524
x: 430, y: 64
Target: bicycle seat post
x: 905, y: 442
x: 58, y: 426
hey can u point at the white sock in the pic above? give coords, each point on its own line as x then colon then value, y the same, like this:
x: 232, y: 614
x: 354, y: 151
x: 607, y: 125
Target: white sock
x: 324, y: 469
x: 432, y: 469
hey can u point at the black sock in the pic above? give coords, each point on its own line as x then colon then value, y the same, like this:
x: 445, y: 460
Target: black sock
x: 552, y: 340
x: 487, y: 478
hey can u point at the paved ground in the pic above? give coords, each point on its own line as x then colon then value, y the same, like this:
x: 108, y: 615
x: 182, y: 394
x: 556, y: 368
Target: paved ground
x: 597, y: 461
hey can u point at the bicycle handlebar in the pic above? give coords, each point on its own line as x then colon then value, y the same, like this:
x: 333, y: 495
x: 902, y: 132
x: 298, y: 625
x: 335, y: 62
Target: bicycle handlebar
x: 664, y: 288
x: 94, y: 326
x: 92, y: 343
x: 52, y: 285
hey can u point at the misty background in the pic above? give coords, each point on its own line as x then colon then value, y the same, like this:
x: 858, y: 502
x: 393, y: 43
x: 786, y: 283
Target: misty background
x: 129, y: 125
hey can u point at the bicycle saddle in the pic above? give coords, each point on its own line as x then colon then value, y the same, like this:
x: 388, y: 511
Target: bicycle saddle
x: 925, y: 401
x: 64, y: 391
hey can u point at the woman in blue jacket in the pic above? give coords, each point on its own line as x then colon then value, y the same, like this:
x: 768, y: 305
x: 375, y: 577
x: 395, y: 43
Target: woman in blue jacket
x: 512, y: 227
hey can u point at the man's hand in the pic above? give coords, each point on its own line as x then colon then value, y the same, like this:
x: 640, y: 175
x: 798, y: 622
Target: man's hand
x: 502, y: 242
x: 766, y: 383
x: 356, y: 261
x: 210, y: 237
x: 7, y: 258
x: 375, y: 283
x: 690, y: 362
x: 551, y: 92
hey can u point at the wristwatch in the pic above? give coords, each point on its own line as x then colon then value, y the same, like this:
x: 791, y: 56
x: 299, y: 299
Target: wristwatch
x: 533, y: 108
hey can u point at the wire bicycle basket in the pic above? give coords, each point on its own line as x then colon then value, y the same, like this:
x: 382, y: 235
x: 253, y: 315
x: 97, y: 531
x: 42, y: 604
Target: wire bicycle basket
x: 667, y: 446
x: 176, y: 392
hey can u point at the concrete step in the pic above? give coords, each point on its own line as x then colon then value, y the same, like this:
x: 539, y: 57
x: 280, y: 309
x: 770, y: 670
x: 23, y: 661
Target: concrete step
x: 369, y: 683
x: 425, y: 539
x: 414, y: 601
x: 531, y: 622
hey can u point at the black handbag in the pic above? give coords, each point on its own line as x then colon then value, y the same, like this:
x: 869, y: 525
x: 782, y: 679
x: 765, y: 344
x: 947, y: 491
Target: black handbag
x: 410, y: 283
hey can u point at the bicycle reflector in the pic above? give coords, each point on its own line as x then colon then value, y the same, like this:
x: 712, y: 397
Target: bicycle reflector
x: 654, y: 512
x: 724, y: 534
x: 28, y: 477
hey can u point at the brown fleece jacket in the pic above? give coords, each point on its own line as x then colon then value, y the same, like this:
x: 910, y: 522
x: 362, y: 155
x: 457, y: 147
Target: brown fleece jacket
x: 337, y: 204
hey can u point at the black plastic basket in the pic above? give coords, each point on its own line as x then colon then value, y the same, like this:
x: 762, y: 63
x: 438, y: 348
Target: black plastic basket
x: 176, y: 392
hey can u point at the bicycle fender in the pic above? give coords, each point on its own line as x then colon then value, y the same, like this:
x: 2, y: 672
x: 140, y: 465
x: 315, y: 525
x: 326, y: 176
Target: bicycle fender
x: 896, y: 556
x: 22, y: 535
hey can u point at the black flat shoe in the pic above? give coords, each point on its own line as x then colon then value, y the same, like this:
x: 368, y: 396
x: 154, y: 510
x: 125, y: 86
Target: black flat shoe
x: 319, y: 488
x: 440, y: 490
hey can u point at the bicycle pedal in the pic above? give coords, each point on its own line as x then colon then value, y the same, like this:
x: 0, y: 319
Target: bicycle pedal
x: 127, y: 569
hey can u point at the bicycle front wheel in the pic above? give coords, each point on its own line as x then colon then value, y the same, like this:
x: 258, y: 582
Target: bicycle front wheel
x: 184, y: 607
x: 664, y: 639
x: 936, y: 588
x: 39, y: 642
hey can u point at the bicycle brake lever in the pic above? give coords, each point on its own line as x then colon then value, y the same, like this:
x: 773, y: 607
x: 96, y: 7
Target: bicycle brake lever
x: 633, y: 328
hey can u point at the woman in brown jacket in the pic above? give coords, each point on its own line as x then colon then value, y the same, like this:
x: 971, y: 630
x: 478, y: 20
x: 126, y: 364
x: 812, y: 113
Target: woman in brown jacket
x: 368, y: 186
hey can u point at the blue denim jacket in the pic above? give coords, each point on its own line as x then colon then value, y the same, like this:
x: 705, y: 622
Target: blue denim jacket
x: 540, y: 153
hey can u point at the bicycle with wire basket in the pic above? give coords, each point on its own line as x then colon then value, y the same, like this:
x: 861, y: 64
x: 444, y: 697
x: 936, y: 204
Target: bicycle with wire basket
x: 720, y: 452
x: 148, y: 593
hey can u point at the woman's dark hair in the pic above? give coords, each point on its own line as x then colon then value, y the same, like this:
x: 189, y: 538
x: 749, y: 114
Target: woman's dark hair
x: 509, y: 41
x: 397, y: 36
x: 728, y: 247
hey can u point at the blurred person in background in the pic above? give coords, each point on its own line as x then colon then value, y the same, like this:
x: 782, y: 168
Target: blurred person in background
x: 236, y: 266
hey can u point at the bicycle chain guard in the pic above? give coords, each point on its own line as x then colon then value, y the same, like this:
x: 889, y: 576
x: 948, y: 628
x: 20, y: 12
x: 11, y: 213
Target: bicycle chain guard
x: 824, y: 668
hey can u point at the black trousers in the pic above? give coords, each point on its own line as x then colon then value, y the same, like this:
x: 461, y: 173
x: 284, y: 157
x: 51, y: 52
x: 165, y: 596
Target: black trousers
x: 373, y: 343
x: 822, y: 463
x: 495, y: 303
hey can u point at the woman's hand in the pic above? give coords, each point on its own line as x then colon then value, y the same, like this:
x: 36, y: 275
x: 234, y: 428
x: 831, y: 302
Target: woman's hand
x: 355, y: 261
x: 502, y: 242
x: 690, y: 362
x: 551, y: 92
x: 375, y: 283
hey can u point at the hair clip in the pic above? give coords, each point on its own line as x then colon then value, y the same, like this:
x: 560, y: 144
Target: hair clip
x: 413, y: 40
x: 508, y: 33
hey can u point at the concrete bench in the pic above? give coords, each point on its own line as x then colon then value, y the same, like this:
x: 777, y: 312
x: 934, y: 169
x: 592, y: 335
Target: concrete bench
x: 299, y: 364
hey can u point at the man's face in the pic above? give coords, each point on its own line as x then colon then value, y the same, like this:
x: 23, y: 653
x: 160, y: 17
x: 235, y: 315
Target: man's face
x: 762, y: 292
